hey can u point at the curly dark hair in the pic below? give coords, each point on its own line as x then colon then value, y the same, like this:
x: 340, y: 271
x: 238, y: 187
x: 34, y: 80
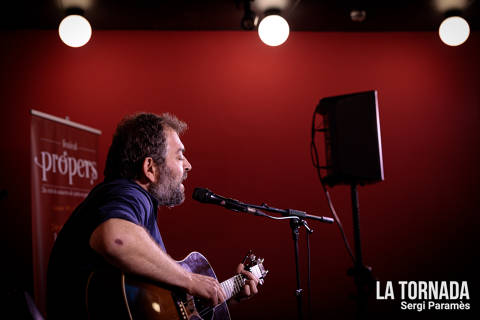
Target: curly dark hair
x: 139, y: 136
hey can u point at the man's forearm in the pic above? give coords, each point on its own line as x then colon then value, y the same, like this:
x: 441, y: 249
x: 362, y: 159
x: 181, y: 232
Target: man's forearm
x: 130, y: 248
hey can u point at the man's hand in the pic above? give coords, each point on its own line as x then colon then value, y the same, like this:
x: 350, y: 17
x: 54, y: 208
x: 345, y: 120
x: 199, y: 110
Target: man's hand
x: 250, y: 287
x: 206, y: 287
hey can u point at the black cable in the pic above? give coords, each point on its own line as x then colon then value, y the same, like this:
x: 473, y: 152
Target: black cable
x: 315, y: 161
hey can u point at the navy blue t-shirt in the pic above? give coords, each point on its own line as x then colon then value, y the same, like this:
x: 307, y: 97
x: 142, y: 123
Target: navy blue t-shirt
x: 72, y: 259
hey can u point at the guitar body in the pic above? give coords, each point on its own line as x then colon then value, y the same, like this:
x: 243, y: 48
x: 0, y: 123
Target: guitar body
x: 114, y: 295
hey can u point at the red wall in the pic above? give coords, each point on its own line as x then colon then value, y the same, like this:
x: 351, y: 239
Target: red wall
x: 249, y: 109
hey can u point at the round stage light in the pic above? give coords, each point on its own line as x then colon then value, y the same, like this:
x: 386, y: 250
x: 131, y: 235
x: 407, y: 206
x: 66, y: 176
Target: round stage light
x: 75, y: 31
x: 454, y: 31
x: 273, y: 30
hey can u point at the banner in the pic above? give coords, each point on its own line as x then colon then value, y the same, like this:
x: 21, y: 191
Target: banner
x: 63, y: 171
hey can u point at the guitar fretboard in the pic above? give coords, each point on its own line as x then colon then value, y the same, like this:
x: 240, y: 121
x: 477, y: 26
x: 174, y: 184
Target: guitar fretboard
x: 234, y: 285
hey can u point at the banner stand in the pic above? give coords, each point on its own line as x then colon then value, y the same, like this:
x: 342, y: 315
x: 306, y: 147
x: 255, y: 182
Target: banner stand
x: 64, y: 121
x: 63, y: 171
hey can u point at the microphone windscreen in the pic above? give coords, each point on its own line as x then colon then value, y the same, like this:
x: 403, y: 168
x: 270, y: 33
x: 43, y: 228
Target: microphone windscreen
x: 201, y: 194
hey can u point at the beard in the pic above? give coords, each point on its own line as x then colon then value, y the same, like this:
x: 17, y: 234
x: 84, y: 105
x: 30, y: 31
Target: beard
x: 167, y: 190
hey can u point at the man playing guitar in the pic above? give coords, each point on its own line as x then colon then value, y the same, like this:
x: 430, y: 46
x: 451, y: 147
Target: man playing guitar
x: 115, y: 227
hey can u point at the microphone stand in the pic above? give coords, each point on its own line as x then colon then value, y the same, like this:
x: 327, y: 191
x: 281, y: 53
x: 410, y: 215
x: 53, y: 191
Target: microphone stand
x: 297, y: 219
x: 295, y: 224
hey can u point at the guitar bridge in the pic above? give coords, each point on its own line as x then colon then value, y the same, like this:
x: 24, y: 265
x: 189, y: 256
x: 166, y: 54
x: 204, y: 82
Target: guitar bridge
x: 182, y: 311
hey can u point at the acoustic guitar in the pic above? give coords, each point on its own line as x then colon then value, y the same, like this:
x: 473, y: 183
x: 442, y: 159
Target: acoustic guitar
x: 116, y: 295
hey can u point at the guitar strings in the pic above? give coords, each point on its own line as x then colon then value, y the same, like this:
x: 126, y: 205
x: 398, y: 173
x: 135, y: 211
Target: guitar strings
x: 207, y: 310
x: 204, y: 311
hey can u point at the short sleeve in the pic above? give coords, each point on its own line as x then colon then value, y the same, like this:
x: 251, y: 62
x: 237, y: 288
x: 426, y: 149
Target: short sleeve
x: 123, y: 203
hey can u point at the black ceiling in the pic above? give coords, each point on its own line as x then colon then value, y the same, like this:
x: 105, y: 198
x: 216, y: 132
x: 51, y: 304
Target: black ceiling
x: 302, y: 15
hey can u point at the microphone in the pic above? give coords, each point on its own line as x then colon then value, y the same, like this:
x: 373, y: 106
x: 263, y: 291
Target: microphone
x: 206, y: 196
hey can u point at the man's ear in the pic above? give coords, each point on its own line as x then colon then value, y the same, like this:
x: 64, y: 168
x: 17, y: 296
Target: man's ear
x: 149, y: 169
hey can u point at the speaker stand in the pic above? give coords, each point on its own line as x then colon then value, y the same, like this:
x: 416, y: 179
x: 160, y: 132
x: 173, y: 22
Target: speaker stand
x: 364, y: 280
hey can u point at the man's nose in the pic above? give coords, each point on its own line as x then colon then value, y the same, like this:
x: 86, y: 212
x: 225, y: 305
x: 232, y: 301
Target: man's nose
x: 187, y: 166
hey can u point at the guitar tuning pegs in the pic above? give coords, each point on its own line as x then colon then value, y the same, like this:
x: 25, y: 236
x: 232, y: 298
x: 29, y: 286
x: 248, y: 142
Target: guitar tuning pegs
x: 247, y: 256
x: 260, y: 260
x: 261, y: 279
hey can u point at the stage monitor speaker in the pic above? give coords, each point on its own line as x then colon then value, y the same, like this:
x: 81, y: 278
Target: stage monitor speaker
x: 352, y: 138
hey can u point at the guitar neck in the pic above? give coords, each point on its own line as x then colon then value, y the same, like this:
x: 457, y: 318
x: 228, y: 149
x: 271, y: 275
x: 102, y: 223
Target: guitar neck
x: 234, y: 285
